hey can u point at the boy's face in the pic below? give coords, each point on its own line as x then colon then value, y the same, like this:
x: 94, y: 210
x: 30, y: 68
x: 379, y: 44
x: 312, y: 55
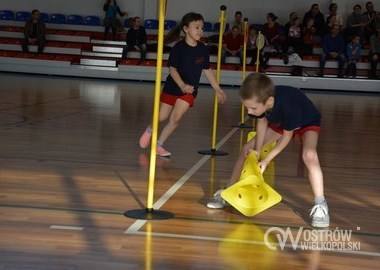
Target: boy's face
x: 356, y: 40
x: 258, y: 108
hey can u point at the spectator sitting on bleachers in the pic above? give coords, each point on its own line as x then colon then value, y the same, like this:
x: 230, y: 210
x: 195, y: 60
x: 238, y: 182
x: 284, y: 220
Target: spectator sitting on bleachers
x: 333, y: 18
x: 319, y: 21
x: 233, y: 44
x: 374, y: 53
x: 374, y: 23
x: 294, y: 38
x: 136, y: 39
x: 367, y: 16
x: 333, y: 47
x: 252, y: 48
x: 271, y: 31
x: 238, y: 22
x: 355, y: 23
x: 292, y: 15
x: 111, y: 9
x: 354, y: 49
x: 34, y: 32
x: 309, y: 39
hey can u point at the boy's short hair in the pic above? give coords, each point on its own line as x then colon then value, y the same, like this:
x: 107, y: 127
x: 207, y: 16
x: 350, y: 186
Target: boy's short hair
x: 257, y: 85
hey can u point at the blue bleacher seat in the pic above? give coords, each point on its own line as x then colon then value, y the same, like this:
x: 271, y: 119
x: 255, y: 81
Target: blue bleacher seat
x: 207, y: 27
x: 91, y: 20
x: 169, y: 24
x: 7, y: 15
x: 23, y: 16
x: 151, y: 24
x: 44, y: 17
x: 74, y: 19
x: 217, y: 25
x: 57, y: 18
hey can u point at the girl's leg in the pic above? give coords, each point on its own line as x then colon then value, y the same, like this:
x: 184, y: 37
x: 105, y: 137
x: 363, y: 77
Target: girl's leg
x: 270, y: 137
x: 179, y: 110
x: 165, y: 110
x: 310, y: 158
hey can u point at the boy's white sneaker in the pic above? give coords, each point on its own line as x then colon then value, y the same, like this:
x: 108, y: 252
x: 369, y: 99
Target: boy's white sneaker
x: 319, y: 216
x: 217, y: 201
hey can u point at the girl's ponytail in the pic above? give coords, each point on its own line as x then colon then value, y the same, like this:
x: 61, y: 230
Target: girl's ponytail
x: 173, y: 34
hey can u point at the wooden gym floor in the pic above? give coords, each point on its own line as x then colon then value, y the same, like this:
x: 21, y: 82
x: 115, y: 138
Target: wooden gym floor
x: 70, y: 166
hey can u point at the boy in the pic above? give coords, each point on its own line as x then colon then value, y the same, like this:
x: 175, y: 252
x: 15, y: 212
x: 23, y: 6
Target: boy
x: 281, y: 112
x: 353, y: 53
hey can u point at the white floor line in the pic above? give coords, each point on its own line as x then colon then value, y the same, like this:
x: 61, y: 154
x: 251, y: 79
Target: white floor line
x: 177, y: 185
x: 240, y: 241
x: 69, y: 228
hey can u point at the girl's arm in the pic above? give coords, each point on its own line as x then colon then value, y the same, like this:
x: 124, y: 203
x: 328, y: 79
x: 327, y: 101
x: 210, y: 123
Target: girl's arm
x: 186, y: 89
x: 121, y: 13
x: 214, y: 84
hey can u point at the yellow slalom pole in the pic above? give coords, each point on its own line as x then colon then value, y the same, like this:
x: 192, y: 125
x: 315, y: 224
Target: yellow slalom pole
x: 258, y: 52
x: 220, y: 44
x: 244, y: 63
x: 157, y: 92
x: 242, y: 120
x: 149, y: 213
x: 213, y: 150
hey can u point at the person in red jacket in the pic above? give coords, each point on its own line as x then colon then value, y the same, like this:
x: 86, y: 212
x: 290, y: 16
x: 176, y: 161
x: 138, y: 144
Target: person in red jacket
x: 233, y: 44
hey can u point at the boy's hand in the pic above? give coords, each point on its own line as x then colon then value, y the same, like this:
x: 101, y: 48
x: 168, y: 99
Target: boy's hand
x: 263, y: 165
x: 247, y: 148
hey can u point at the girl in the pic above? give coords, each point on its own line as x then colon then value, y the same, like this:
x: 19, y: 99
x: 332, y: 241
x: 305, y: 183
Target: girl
x: 252, y: 48
x: 111, y: 9
x: 295, y: 37
x: 186, y: 61
x: 309, y: 37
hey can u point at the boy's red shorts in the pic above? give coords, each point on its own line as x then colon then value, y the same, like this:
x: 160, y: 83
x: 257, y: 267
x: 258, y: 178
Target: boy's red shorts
x: 298, y: 132
x: 171, y: 100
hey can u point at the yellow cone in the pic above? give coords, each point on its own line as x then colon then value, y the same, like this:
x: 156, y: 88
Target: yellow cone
x: 251, y: 195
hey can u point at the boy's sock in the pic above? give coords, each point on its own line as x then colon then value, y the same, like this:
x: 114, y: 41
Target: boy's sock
x: 160, y: 144
x: 320, y: 200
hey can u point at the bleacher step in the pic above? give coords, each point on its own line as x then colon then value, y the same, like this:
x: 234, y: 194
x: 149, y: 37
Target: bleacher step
x: 94, y: 67
x: 106, y: 49
x: 98, y: 62
x: 101, y: 54
x: 107, y: 42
